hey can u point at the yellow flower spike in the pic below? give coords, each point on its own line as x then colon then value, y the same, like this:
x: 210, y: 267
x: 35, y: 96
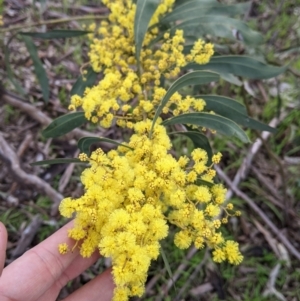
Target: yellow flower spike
x: 216, y: 158
x: 229, y: 206
x: 199, y: 155
x: 224, y: 220
x: 202, y: 194
x: 217, y: 224
x: 232, y: 252
x: 63, y: 248
x: 219, y: 193
x: 183, y: 239
x: 121, y: 294
x: 76, y: 233
x: 212, y: 210
x: 219, y: 255
x: 199, y: 242
x: 67, y: 207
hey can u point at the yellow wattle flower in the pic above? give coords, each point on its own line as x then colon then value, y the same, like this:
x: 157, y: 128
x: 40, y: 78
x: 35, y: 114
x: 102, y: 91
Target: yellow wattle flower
x: 112, y: 51
x: 130, y: 197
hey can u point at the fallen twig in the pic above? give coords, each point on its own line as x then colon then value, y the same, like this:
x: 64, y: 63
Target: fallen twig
x: 176, y: 275
x: 44, y: 120
x: 54, y: 21
x: 24, y: 145
x: 8, y: 155
x: 27, y: 236
x: 37, y: 114
x: 258, y: 211
x: 277, y: 247
x: 196, y: 290
x: 273, y: 243
x: 270, y: 287
x: 201, y: 289
x: 265, y: 182
x: 65, y: 178
x: 246, y: 164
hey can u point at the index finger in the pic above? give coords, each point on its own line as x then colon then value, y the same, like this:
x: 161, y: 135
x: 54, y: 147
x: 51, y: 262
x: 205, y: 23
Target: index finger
x: 38, y: 269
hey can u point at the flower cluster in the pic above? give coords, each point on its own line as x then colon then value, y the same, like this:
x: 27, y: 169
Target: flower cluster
x: 112, y: 51
x: 132, y: 194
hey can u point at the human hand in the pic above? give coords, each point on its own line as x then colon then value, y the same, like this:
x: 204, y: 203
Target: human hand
x: 40, y: 273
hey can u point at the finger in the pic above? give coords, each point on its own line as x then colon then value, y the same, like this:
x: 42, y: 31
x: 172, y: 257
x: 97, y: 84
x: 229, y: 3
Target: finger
x: 38, y: 269
x: 79, y: 265
x: 3, y: 243
x: 100, y: 288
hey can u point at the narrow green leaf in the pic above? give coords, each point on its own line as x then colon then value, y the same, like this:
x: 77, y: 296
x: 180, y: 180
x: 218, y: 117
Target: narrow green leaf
x: 55, y: 34
x: 58, y: 161
x: 167, y: 265
x: 219, y: 123
x: 219, y: 26
x: 144, y: 12
x: 191, y: 78
x: 84, y: 144
x: 9, y: 71
x: 245, y: 66
x: 64, y: 124
x: 290, y: 50
x: 203, y: 2
x: 199, y: 140
x: 213, y: 101
x: 38, y: 67
x: 233, y: 110
x: 206, y: 183
x: 83, y: 82
x: 230, y: 78
x: 195, y: 8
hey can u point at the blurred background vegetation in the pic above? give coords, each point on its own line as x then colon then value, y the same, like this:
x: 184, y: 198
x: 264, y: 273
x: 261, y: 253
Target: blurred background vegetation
x: 269, y: 175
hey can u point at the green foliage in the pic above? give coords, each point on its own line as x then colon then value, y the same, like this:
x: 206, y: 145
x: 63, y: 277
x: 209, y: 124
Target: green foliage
x: 233, y: 110
x: 199, y: 140
x: 192, y: 78
x: 84, y: 81
x: 201, y: 18
x: 220, y: 124
x: 64, y: 124
x: 57, y: 161
x: 9, y: 112
x: 84, y: 144
x: 9, y: 71
x: 38, y: 67
x: 55, y: 34
x: 195, y: 8
x: 218, y: 26
x: 144, y: 12
x: 239, y: 65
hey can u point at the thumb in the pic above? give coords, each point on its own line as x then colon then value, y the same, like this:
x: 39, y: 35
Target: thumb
x: 3, y: 243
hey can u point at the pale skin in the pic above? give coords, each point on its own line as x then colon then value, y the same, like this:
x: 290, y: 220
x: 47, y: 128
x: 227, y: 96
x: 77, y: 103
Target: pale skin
x: 40, y: 273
